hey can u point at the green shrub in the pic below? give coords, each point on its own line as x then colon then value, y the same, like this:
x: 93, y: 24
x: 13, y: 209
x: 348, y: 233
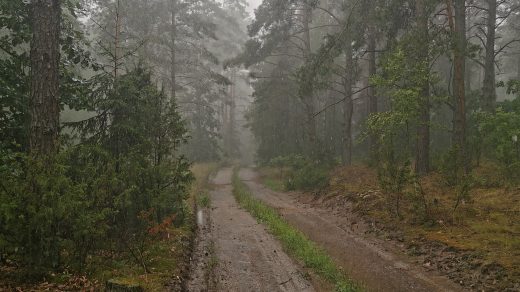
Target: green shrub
x: 46, y: 219
x: 113, y: 191
x: 300, y: 173
x: 450, y: 167
x: 309, y: 177
x: 500, y: 131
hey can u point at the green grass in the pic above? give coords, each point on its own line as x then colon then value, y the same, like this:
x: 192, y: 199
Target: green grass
x: 204, y: 200
x: 294, y: 242
x: 276, y: 185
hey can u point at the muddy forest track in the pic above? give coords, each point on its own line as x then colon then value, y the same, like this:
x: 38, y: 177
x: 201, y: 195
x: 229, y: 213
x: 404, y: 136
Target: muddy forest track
x: 235, y: 253
x: 366, y: 261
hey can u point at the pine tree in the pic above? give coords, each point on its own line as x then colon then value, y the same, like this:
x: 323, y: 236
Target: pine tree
x: 45, y: 57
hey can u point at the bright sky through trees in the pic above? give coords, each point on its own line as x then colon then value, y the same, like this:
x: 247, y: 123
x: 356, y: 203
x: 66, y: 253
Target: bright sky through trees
x: 252, y: 5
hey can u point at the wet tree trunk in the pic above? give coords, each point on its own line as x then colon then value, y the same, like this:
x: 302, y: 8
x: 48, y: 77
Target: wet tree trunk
x: 518, y: 72
x: 117, y: 39
x: 309, y: 96
x: 173, y: 56
x: 117, y: 138
x: 423, y: 130
x: 44, y: 99
x: 489, y: 90
x: 459, y: 121
x: 348, y: 105
x: 372, y: 68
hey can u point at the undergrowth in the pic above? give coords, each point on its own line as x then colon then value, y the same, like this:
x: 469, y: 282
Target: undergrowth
x: 293, y: 241
x: 276, y: 185
x: 164, y: 255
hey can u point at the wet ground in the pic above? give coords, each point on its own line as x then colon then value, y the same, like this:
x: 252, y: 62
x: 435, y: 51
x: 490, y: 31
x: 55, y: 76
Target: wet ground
x: 366, y: 260
x: 238, y: 254
x: 235, y: 253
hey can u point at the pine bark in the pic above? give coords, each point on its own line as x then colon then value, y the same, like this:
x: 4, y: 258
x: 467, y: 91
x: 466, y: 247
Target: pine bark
x: 518, y: 70
x: 45, y: 94
x: 372, y: 69
x: 173, y: 57
x: 423, y: 129
x: 459, y: 125
x: 348, y: 105
x: 372, y: 63
x: 117, y: 39
x: 489, y: 90
x: 309, y: 96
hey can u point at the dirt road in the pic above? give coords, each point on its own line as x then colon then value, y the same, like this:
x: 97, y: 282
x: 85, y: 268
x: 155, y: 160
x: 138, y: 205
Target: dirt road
x: 367, y: 261
x: 235, y: 253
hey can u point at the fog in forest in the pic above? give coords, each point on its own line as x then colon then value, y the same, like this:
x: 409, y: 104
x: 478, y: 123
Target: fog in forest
x: 259, y: 145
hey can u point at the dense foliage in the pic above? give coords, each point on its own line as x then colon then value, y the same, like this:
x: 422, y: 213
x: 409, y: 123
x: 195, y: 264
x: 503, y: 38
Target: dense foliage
x: 100, y: 194
x: 136, y: 84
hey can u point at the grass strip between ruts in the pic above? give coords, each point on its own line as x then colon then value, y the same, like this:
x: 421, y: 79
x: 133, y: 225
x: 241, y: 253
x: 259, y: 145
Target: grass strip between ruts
x: 294, y: 242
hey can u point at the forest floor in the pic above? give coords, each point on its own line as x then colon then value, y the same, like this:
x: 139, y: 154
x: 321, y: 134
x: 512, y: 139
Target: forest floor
x: 235, y: 253
x: 478, y: 247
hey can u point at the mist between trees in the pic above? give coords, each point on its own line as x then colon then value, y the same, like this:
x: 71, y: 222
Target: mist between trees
x: 105, y: 103
x: 401, y: 85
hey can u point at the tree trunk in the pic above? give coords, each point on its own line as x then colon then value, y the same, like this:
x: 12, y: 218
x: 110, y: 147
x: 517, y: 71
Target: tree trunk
x: 117, y: 111
x: 518, y: 70
x: 423, y: 129
x: 117, y: 39
x: 309, y: 96
x: 230, y: 145
x: 372, y: 68
x: 489, y: 90
x: 348, y: 105
x: 459, y: 125
x: 45, y: 58
x: 173, y: 56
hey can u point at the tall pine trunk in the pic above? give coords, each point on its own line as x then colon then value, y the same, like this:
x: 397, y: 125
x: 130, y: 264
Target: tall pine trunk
x: 372, y: 68
x: 45, y: 94
x: 518, y: 70
x: 117, y: 39
x: 308, y: 99
x: 459, y: 120
x: 173, y: 57
x: 423, y: 129
x: 348, y: 104
x: 489, y: 90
